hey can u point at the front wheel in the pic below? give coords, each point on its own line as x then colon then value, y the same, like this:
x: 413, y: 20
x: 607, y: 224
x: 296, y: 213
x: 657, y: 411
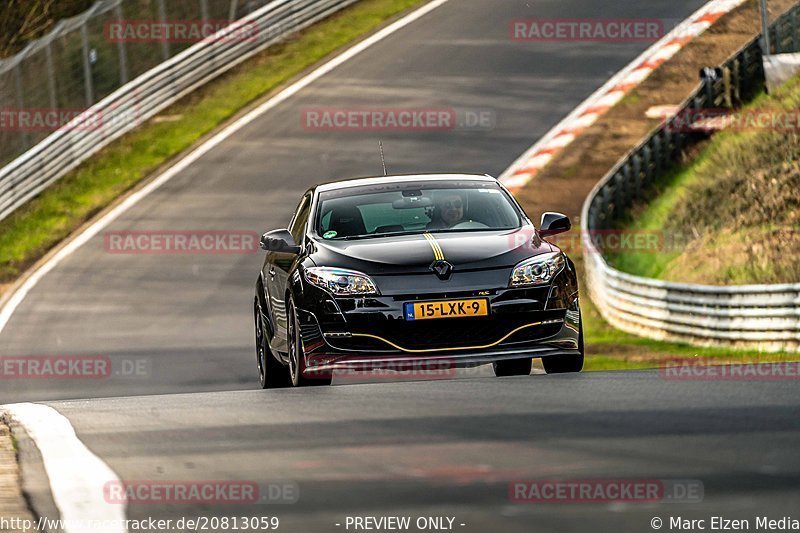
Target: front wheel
x: 513, y: 367
x: 271, y: 374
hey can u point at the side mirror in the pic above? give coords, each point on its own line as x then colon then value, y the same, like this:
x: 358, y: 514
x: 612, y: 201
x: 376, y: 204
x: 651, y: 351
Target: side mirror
x: 554, y: 223
x: 279, y: 240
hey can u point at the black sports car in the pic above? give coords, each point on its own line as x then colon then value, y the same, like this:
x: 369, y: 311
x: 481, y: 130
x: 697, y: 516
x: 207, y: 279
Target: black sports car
x: 402, y: 269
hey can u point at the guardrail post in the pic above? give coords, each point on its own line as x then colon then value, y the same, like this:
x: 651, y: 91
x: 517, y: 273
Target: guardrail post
x: 657, y: 143
x: 764, y: 27
x: 607, y: 207
x: 18, y: 89
x: 626, y: 179
x: 645, y: 175
x: 233, y: 9
x: 727, y: 98
x: 736, y: 81
x: 162, y: 15
x: 51, y: 75
x: 640, y: 172
x: 87, y: 67
x: 667, y: 149
x: 708, y: 93
x: 121, y: 51
x: 619, y: 198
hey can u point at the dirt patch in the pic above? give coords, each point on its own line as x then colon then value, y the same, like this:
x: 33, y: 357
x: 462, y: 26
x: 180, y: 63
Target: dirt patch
x: 570, y: 176
x: 13, y: 508
x: 738, y: 257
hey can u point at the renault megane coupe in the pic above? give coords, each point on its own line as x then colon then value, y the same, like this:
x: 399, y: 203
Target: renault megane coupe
x: 442, y: 268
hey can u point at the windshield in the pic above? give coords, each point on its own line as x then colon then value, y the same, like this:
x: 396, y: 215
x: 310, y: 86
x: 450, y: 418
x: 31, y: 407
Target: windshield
x: 414, y: 207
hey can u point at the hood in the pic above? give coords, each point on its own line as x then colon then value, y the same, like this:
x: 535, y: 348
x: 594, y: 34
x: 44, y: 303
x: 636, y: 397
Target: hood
x: 405, y: 254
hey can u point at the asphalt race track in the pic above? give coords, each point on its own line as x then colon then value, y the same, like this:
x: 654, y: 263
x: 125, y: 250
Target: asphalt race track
x: 429, y: 448
x: 451, y: 448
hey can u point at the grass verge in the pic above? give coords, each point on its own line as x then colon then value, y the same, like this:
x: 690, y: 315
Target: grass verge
x: 734, y: 209
x: 32, y: 230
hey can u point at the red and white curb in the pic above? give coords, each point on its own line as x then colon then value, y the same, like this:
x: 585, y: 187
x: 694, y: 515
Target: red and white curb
x: 531, y: 162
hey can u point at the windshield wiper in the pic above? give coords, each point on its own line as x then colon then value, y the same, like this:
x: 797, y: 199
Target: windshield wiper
x: 378, y: 235
x: 465, y: 230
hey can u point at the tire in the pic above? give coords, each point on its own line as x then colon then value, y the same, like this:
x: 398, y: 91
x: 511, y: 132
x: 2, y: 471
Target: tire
x: 564, y: 364
x: 271, y: 374
x: 513, y: 367
x: 297, y: 359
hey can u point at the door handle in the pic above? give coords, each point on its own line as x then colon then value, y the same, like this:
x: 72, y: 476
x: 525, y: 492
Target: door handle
x: 271, y: 272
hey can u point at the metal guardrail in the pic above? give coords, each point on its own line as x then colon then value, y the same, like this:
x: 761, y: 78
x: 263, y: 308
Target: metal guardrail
x: 151, y: 92
x: 765, y: 317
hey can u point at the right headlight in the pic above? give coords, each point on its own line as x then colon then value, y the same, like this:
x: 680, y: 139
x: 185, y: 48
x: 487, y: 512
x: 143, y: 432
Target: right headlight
x: 538, y: 270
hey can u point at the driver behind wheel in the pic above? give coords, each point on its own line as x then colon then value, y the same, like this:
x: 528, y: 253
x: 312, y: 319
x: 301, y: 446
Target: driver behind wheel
x: 448, y: 211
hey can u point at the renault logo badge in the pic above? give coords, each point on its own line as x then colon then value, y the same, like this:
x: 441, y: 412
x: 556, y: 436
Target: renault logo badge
x: 442, y: 269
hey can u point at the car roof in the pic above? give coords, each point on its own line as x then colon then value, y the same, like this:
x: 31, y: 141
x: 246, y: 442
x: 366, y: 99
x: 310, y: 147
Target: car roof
x: 402, y: 178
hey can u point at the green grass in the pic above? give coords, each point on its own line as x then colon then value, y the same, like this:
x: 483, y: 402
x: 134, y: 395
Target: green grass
x: 654, y: 218
x: 733, y: 212
x: 32, y: 230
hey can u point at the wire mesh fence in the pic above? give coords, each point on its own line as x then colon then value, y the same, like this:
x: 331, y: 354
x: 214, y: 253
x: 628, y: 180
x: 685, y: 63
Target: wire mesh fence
x: 89, y: 56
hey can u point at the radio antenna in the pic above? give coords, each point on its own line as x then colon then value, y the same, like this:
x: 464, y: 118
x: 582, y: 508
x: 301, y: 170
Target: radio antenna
x: 383, y: 161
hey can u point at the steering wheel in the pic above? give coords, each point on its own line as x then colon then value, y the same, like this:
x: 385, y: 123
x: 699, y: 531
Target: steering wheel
x: 470, y: 224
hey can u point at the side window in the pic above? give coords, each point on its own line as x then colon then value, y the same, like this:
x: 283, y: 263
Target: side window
x: 298, y: 225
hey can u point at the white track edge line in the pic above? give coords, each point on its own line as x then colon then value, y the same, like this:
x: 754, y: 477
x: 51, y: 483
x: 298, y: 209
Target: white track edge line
x: 77, y: 476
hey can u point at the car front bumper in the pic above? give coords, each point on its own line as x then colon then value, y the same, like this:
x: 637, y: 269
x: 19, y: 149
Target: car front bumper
x: 368, y: 333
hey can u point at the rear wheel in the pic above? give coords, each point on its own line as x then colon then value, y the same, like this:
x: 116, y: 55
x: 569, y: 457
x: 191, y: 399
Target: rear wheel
x: 513, y: 367
x: 271, y: 374
x: 563, y: 364
x: 297, y: 358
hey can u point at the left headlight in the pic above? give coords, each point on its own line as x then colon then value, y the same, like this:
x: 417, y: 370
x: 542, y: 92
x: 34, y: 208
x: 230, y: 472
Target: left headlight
x: 341, y: 282
x: 538, y: 270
